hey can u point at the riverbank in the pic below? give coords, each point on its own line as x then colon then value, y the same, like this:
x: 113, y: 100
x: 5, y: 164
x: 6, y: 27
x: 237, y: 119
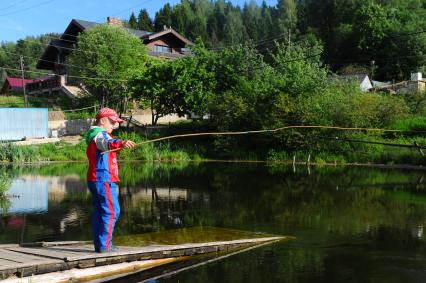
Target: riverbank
x: 178, y: 151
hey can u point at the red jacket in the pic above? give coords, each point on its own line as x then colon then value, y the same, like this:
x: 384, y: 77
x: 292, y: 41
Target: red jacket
x: 102, y: 167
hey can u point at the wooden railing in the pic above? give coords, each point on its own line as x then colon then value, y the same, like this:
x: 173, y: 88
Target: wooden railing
x: 52, y: 83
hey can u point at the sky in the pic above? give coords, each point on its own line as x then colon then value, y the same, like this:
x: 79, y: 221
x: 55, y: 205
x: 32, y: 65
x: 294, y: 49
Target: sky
x: 20, y: 18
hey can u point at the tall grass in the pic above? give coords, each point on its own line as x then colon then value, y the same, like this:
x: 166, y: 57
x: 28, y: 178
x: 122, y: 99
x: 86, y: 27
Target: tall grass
x: 12, y: 153
x: 416, y: 123
x: 5, y: 182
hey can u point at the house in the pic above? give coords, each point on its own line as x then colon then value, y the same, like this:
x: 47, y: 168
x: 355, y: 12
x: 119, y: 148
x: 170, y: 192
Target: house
x: 167, y: 44
x: 362, y: 80
x: 416, y: 84
x: 13, y: 85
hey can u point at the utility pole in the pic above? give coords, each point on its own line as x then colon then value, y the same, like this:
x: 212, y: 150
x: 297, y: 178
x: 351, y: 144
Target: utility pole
x: 289, y: 36
x: 23, y: 81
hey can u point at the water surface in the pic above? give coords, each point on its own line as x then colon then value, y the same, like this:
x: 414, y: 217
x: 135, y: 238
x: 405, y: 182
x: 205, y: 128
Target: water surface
x: 350, y: 224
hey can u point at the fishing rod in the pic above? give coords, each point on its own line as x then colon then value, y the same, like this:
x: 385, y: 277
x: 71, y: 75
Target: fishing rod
x: 266, y: 131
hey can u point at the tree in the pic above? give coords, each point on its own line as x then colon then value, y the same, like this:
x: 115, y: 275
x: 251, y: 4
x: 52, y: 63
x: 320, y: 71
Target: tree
x: 234, y: 30
x: 286, y: 16
x: 133, y: 22
x: 175, y: 87
x: 144, y: 21
x: 163, y: 18
x: 106, y: 56
x: 252, y: 19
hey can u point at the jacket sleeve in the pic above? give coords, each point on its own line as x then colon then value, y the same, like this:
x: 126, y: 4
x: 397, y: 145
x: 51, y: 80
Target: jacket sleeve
x: 105, y: 142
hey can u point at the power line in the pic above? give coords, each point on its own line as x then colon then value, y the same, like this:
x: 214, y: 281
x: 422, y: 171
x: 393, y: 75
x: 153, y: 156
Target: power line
x: 69, y: 76
x: 63, y: 64
x: 14, y: 4
x: 28, y: 8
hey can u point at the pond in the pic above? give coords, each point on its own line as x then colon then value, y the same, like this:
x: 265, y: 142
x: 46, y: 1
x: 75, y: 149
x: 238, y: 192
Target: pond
x: 351, y: 224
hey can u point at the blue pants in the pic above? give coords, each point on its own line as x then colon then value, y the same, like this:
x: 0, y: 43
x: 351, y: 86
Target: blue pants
x: 106, y: 211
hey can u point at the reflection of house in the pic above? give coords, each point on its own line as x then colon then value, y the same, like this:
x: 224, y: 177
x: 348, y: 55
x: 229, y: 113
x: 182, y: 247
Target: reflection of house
x: 158, y: 194
x: 167, y: 44
x: 28, y: 196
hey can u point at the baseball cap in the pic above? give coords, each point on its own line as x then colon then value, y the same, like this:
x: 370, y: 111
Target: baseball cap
x: 110, y: 113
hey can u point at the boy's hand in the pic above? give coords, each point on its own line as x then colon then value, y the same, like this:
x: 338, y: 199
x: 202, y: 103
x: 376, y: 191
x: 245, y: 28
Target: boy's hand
x: 128, y: 144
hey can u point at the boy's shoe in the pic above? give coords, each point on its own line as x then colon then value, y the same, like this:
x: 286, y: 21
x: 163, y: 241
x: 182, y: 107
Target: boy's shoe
x: 112, y: 249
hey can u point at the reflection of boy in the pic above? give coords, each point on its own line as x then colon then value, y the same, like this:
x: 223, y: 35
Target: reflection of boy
x: 102, y: 177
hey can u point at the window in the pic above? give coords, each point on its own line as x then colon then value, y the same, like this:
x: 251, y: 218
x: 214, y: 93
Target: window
x: 162, y: 49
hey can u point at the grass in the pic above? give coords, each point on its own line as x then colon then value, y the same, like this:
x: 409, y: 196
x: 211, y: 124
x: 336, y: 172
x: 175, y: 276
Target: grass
x: 416, y: 123
x: 184, y: 150
x: 5, y: 182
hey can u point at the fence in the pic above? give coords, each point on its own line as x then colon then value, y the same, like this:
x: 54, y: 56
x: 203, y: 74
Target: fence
x: 19, y: 123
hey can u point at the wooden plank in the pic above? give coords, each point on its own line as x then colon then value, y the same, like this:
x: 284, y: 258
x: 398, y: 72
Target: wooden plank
x: 43, y: 252
x: 9, y: 246
x: 19, y: 257
x: 4, y: 262
x: 25, y: 261
x: 51, y: 244
x: 166, y: 249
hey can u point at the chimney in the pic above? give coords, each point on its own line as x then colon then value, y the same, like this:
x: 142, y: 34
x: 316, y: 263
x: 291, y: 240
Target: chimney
x: 114, y: 21
x: 164, y: 27
x: 416, y: 77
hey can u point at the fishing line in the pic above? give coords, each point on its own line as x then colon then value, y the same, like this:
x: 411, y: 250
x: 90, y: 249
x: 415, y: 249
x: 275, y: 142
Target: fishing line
x: 267, y: 131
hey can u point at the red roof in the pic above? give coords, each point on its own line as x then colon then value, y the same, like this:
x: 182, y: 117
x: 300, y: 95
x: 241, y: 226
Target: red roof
x: 17, y: 82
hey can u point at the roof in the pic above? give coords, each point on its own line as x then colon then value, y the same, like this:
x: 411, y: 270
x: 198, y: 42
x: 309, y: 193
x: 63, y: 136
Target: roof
x: 355, y: 77
x: 86, y: 24
x: 17, y: 82
x: 66, y: 42
x: 155, y: 35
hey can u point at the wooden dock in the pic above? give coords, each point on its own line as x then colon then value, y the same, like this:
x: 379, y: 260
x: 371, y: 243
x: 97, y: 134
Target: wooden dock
x: 47, y: 257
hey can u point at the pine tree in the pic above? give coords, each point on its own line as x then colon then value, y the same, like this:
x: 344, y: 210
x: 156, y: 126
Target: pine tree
x: 234, y: 29
x: 163, y: 18
x: 144, y: 21
x: 182, y: 16
x: 266, y: 23
x: 133, y: 22
x: 286, y: 16
x: 251, y: 19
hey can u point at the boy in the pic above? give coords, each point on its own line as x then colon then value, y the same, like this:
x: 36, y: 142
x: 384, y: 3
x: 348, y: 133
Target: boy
x: 102, y: 177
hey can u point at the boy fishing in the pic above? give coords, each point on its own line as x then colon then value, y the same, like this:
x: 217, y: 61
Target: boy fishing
x: 102, y: 177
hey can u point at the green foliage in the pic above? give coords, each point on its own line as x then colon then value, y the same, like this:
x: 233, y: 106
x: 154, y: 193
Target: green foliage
x: 111, y: 53
x: 144, y: 22
x: 343, y: 104
x: 416, y: 123
x: 5, y: 182
x: 31, y: 47
x: 12, y: 153
x: 176, y: 87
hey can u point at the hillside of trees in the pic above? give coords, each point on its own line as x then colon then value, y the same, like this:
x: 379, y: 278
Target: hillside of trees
x: 385, y: 38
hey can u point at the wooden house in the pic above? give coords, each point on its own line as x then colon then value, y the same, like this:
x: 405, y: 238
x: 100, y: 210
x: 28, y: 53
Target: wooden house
x: 167, y: 44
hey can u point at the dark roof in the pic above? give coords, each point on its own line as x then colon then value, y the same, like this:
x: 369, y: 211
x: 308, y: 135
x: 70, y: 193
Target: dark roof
x: 86, y: 24
x: 66, y: 42
x: 355, y: 77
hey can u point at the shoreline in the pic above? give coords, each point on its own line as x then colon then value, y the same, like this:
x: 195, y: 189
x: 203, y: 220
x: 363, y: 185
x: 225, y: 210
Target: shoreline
x: 279, y: 162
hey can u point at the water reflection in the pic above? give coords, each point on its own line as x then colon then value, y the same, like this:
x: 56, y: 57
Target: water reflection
x: 351, y: 224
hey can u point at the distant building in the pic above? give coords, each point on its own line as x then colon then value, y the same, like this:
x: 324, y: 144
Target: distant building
x: 416, y: 84
x: 13, y: 85
x: 167, y: 44
x: 362, y: 80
